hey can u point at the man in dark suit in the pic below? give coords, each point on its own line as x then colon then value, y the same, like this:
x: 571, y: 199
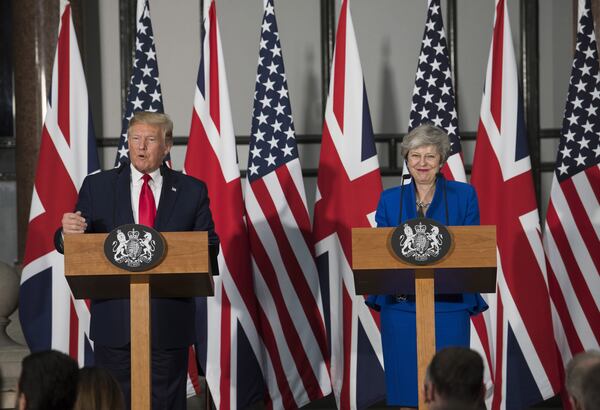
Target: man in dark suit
x: 149, y: 193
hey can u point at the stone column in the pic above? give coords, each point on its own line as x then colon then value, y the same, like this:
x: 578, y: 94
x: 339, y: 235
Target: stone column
x: 35, y: 28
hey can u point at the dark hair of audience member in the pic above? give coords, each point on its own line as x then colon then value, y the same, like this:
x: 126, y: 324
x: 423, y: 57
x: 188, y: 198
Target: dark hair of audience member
x: 48, y: 381
x: 591, y: 388
x: 98, y: 390
x: 457, y: 374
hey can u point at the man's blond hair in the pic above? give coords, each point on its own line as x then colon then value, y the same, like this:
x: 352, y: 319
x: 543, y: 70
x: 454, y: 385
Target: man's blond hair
x: 163, y: 121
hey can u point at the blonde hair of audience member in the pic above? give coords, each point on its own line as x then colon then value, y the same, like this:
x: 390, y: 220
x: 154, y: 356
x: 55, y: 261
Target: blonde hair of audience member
x: 98, y: 390
x: 575, y: 375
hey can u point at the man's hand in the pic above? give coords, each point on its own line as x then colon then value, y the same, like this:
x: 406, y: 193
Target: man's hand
x: 73, y: 223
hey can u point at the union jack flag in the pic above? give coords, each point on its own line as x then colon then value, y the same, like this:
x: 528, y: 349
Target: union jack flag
x: 144, y: 87
x: 285, y: 274
x: 513, y: 333
x: 228, y: 345
x: 348, y: 189
x: 51, y: 318
x: 433, y: 94
x: 571, y: 236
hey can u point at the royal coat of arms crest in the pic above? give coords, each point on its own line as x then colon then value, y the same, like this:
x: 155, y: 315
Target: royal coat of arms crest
x: 134, y: 247
x: 421, y: 241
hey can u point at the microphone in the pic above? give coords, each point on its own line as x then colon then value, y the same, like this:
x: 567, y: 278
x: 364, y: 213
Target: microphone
x: 440, y: 175
x: 403, y: 178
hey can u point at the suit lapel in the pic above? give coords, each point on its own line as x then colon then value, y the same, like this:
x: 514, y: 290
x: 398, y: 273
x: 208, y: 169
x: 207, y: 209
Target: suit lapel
x: 409, y: 201
x: 123, y: 211
x: 168, y: 196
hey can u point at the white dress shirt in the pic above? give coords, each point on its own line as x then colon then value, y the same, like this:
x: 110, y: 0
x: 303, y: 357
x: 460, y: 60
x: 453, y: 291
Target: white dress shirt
x: 136, y: 188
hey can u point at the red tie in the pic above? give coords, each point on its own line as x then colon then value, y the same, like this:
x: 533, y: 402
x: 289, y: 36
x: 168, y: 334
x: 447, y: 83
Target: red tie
x: 147, y: 209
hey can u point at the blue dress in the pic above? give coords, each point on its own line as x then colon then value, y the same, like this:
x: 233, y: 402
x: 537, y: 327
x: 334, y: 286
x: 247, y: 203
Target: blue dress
x: 452, y: 312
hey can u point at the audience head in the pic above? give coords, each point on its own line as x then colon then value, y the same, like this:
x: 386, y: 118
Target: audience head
x: 98, y: 390
x: 48, y: 381
x: 590, y: 388
x: 454, y: 379
x: 576, y: 374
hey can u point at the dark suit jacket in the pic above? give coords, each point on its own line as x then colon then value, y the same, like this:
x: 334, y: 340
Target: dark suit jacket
x: 105, y: 202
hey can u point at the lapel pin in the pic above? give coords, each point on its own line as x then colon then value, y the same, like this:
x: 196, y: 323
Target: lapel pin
x: 173, y: 189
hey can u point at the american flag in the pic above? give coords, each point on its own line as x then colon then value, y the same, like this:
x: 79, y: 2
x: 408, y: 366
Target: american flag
x: 51, y: 318
x: 229, y: 345
x: 285, y: 274
x: 571, y: 236
x: 433, y: 94
x: 144, y: 88
x: 348, y: 189
x: 514, y: 332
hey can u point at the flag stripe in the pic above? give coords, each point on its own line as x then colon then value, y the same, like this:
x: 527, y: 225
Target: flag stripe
x: 565, y: 290
x: 570, y: 256
x: 278, y: 343
x: 581, y: 218
x: 497, y: 66
x: 593, y: 176
x: 291, y: 186
x: 226, y: 355
x: 339, y: 65
x: 73, y: 331
x: 63, y: 49
x: 587, y: 184
x: 557, y: 292
x: 214, y: 71
x: 500, y: 364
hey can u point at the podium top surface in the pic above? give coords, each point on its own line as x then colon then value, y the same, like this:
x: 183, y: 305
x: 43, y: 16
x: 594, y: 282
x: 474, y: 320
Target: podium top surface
x: 185, y: 270
x: 469, y: 266
x: 472, y: 247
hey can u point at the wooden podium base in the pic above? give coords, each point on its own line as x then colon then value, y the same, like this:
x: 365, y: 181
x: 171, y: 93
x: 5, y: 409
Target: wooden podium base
x: 425, y: 316
x: 141, y: 359
x: 184, y: 272
x: 470, y: 266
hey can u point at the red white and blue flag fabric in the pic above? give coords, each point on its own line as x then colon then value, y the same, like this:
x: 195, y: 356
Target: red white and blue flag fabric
x: 50, y: 317
x: 572, y: 233
x: 144, y: 87
x: 514, y: 332
x: 227, y: 324
x: 286, y: 281
x: 348, y: 189
x: 433, y: 94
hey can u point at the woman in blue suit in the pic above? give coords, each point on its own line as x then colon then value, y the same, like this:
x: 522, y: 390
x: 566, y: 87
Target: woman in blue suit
x: 428, y: 194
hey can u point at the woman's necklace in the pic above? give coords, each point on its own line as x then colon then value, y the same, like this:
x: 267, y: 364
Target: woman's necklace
x: 421, y: 204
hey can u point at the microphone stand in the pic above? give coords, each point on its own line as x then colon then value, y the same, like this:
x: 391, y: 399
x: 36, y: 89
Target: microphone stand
x: 440, y: 175
x: 403, y: 178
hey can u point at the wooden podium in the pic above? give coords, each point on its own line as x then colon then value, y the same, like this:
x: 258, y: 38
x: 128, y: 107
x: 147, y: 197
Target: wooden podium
x: 469, y: 266
x: 185, y: 271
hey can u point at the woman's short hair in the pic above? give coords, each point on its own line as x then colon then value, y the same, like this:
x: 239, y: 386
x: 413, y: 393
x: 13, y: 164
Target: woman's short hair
x: 426, y: 134
x: 154, y: 118
x: 98, y: 390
